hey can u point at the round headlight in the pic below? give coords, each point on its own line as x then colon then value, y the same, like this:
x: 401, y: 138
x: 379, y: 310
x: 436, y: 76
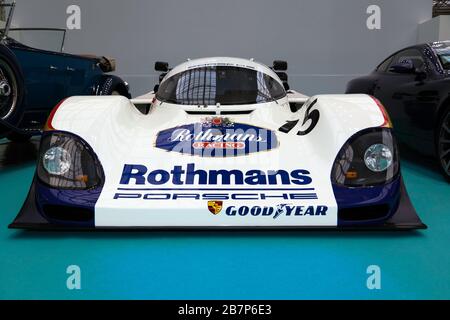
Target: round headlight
x: 378, y: 157
x: 56, y: 161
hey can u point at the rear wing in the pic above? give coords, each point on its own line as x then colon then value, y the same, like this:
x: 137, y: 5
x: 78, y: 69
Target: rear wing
x: 144, y: 101
x: 296, y: 97
x: 292, y: 96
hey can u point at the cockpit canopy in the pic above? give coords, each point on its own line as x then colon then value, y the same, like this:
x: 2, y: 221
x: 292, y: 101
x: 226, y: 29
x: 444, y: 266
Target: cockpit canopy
x: 224, y: 85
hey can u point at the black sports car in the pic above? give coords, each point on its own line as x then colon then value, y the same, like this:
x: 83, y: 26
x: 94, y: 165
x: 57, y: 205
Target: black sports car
x: 414, y: 86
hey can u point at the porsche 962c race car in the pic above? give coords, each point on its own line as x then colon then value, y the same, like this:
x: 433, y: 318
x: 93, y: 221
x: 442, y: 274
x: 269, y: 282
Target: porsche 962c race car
x: 220, y: 143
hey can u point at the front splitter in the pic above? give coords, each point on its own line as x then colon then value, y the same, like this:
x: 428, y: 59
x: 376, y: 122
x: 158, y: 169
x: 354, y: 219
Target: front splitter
x: 405, y: 218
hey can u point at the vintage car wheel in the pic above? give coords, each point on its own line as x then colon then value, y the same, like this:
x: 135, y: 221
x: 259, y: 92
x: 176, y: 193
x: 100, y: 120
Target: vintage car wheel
x: 9, y: 92
x: 444, y: 143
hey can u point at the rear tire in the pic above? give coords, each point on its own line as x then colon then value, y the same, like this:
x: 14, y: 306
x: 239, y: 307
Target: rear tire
x: 443, y: 143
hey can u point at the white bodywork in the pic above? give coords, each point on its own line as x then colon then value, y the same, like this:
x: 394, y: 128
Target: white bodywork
x: 120, y: 134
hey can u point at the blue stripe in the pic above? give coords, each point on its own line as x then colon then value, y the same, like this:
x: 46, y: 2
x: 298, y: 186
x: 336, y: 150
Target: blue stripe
x: 217, y: 189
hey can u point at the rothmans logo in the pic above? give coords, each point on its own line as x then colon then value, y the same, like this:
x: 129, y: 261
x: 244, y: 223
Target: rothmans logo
x: 216, y: 137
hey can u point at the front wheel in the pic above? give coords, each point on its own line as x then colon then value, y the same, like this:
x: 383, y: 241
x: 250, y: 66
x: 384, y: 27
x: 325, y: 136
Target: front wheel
x: 443, y: 143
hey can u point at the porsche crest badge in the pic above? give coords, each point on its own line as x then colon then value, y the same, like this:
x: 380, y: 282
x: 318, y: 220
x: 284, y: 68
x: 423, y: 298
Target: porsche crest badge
x: 215, y: 206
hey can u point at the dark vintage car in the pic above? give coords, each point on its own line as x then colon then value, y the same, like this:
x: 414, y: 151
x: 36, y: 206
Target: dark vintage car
x: 414, y: 86
x: 35, y: 74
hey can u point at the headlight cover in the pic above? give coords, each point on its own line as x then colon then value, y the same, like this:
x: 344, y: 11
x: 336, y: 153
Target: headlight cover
x: 56, y: 161
x: 67, y: 162
x: 378, y: 157
x: 367, y: 159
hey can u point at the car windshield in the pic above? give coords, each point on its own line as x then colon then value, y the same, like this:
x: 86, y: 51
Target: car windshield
x: 39, y: 38
x: 220, y: 84
x: 443, y: 52
x: 6, y: 13
x: 49, y: 39
x: 445, y: 59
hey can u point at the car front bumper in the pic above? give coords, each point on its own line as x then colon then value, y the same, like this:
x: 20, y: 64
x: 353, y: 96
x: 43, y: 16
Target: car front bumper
x: 404, y: 218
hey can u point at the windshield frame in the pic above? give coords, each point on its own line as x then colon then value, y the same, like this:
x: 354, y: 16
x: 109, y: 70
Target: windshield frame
x: 5, y: 30
x: 265, y: 95
x: 60, y: 47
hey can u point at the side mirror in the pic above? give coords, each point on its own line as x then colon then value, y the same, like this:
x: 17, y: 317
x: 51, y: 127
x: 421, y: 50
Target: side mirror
x: 155, y: 88
x: 421, y: 73
x: 161, y: 76
x: 286, y: 86
x: 283, y: 76
x: 405, y: 66
x: 280, y: 65
x: 161, y: 66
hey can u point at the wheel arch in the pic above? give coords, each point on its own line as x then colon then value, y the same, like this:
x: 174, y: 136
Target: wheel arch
x: 440, y: 114
x: 445, y: 104
x: 10, y: 57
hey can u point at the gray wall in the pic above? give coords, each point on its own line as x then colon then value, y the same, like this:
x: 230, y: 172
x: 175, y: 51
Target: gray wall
x: 436, y: 29
x: 326, y: 42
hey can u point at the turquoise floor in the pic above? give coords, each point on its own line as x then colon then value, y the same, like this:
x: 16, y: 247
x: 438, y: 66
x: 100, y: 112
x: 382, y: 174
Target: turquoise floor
x: 238, y: 265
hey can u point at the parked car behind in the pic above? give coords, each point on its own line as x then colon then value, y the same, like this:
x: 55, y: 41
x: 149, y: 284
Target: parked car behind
x: 35, y: 74
x: 414, y: 86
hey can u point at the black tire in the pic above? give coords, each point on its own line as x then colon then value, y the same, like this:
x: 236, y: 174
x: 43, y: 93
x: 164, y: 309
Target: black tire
x: 443, y: 143
x: 17, y: 137
x: 10, y: 102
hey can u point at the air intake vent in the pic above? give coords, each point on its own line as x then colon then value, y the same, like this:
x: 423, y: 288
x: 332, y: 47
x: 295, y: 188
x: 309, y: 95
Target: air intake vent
x: 221, y: 113
x: 364, y: 213
x: 65, y: 213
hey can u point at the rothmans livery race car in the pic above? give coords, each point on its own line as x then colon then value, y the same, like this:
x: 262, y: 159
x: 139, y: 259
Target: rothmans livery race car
x: 220, y: 143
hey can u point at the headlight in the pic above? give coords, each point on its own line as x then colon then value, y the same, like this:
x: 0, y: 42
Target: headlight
x: 67, y: 162
x: 378, y: 157
x: 367, y: 159
x: 56, y: 161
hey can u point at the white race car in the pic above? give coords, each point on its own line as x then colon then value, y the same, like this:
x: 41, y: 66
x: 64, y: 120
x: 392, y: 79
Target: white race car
x: 220, y: 143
